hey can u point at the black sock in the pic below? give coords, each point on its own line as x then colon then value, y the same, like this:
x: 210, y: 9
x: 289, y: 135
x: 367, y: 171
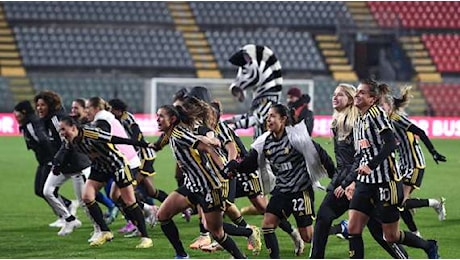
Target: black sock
x: 160, y: 195
x: 240, y: 221
x: 356, y: 246
x: 408, y: 219
x: 271, y: 242
x: 170, y: 230
x: 335, y: 229
x: 66, y: 201
x: 69, y: 219
x: 228, y: 244
x: 137, y: 217
x: 234, y: 230
x: 286, y: 226
x: 395, y: 250
x: 203, y: 230
x: 409, y: 239
x: 96, y: 212
x: 416, y: 203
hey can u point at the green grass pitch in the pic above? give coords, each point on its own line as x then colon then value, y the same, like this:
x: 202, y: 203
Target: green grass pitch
x: 24, y: 218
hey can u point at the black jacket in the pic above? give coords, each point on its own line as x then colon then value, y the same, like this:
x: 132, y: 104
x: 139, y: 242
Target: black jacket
x: 301, y: 112
x: 70, y: 161
x: 36, y: 138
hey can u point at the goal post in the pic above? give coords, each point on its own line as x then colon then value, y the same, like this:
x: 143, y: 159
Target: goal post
x: 161, y: 90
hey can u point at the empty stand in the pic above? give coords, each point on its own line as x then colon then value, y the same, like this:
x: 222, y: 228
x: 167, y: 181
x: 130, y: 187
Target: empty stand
x: 295, y: 50
x: 444, y: 50
x: 444, y: 98
x: 417, y: 14
x: 131, y: 90
x: 149, y: 12
x: 99, y: 47
x: 253, y: 13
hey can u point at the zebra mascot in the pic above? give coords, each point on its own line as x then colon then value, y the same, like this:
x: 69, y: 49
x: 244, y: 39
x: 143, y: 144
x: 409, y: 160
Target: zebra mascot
x: 260, y: 70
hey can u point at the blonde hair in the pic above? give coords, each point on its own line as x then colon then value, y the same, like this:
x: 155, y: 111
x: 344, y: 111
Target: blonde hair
x: 344, y: 121
x: 398, y: 104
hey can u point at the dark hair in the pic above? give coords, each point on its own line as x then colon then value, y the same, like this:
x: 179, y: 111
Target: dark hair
x: 80, y: 101
x: 283, y: 110
x: 99, y: 102
x: 172, y: 111
x: 217, y: 106
x: 375, y: 89
x: 199, y: 111
x: 180, y: 95
x: 24, y: 107
x: 52, y: 100
x: 68, y: 120
x: 118, y: 104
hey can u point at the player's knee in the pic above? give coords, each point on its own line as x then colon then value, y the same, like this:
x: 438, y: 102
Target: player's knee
x: 391, y: 237
x: 48, y: 192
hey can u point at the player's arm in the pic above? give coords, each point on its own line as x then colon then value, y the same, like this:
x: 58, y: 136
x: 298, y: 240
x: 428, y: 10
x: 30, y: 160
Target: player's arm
x: 325, y: 159
x: 389, y: 144
x: 103, y: 136
x: 429, y: 145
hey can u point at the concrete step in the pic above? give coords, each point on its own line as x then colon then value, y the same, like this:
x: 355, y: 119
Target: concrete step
x: 429, y: 77
x: 202, y: 57
x: 330, y: 45
x: 333, y: 53
x: 12, y: 71
x: 205, y: 65
x: 425, y: 68
x: 326, y: 38
x: 10, y: 62
x: 187, y: 28
x: 214, y: 74
x: 194, y: 35
x: 337, y: 68
x: 348, y: 76
x: 336, y: 60
x: 8, y: 47
x: 422, y: 61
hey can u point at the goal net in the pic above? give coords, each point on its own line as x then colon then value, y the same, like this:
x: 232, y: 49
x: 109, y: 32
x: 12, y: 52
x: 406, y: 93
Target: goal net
x: 161, y: 90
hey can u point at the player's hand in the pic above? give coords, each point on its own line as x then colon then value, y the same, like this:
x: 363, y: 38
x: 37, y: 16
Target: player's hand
x: 229, y: 170
x: 339, y: 192
x: 437, y: 157
x: 350, y: 190
x: 364, y: 170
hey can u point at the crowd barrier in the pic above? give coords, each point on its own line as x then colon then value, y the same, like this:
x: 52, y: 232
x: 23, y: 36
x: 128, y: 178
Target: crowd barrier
x: 435, y: 127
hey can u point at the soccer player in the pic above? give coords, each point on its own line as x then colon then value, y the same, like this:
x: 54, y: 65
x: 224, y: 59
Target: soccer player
x: 298, y: 163
x: 335, y: 202
x: 78, y: 111
x: 107, y: 161
x: 378, y: 185
x: 219, y: 136
x: 97, y: 112
x: 50, y: 110
x: 37, y: 140
x: 411, y: 158
x: 147, y: 155
x: 201, y: 165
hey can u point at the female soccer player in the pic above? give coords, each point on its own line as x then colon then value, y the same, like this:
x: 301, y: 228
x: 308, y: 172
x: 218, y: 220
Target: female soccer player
x: 201, y: 166
x: 107, y: 161
x: 297, y: 162
x: 335, y: 202
x: 411, y: 158
x: 378, y: 185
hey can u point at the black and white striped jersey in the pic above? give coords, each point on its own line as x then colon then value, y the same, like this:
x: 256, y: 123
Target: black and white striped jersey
x: 94, y: 142
x: 368, y: 143
x: 287, y: 164
x: 201, y: 174
x: 132, y: 129
x: 409, y: 150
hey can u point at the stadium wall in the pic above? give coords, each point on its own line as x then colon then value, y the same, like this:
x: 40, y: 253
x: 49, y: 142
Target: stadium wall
x: 435, y: 127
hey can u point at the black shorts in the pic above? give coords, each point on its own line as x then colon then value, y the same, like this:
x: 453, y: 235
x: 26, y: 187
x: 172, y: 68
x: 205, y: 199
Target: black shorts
x: 382, y: 199
x: 228, y: 190
x: 209, y: 201
x: 122, y: 177
x: 146, y: 167
x: 299, y: 204
x: 414, y: 178
x: 248, y: 186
